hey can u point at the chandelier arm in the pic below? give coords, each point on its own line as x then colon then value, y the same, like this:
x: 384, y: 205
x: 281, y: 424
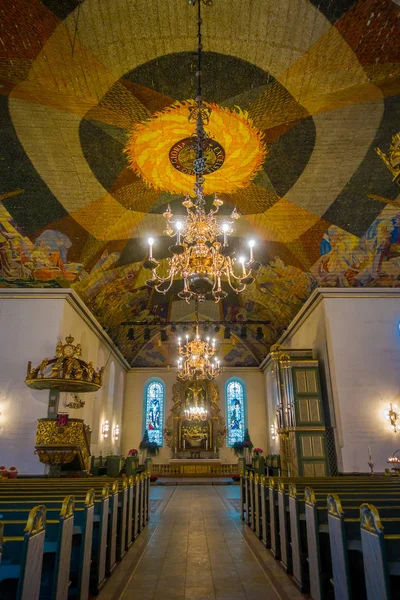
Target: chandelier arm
x: 158, y: 287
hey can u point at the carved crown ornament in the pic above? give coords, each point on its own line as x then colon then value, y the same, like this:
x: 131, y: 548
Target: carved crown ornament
x: 66, y: 372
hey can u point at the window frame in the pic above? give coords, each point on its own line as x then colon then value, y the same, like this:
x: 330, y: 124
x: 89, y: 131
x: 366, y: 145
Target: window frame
x: 146, y: 387
x: 243, y: 384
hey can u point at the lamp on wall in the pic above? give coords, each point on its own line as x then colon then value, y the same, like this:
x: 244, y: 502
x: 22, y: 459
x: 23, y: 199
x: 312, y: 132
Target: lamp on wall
x: 116, y: 433
x: 392, y: 415
x: 105, y: 429
x: 274, y: 433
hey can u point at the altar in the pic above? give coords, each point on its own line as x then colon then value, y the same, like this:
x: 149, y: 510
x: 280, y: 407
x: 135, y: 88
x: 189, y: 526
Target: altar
x: 195, y: 429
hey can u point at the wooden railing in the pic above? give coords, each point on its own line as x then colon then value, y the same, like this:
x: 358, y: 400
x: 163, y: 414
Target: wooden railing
x: 195, y: 470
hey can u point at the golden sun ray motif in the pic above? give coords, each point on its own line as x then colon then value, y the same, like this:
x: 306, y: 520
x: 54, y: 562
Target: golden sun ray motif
x: 232, y: 132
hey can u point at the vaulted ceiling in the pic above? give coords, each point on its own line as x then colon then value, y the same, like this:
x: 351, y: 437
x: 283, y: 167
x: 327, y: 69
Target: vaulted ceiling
x: 319, y: 81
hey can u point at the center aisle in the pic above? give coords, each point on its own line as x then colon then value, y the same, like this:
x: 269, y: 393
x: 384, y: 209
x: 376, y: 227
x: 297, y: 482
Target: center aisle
x: 197, y: 548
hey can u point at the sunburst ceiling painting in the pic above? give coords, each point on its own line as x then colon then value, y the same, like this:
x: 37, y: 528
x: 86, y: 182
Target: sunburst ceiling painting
x: 94, y: 100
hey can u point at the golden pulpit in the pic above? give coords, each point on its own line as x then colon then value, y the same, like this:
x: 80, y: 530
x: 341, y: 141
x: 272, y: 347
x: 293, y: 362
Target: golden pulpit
x: 63, y: 443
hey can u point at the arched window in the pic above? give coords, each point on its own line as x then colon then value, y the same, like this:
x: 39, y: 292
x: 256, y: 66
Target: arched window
x: 235, y: 410
x: 154, y: 410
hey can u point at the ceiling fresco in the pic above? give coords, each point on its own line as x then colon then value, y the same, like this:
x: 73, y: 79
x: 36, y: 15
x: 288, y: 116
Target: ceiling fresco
x: 94, y: 98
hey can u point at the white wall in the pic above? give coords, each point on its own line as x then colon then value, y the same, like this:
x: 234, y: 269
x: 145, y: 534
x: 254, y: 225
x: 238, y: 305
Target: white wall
x: 28, y: 331
x: 134, y: 404
x: 363, y: 335
x: 31, y: 324
x: 355, y: 336
x: 107, y: 402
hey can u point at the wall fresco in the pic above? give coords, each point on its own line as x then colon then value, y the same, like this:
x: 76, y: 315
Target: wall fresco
x: 298, y: 130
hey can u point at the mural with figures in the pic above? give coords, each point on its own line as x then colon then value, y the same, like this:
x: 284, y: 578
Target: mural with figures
x: 91, y: 157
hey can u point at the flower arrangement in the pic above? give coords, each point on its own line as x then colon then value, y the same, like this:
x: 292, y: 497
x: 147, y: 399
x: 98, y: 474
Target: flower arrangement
x: 12, y: 472
x: 246, y: 444
x: 257, y: 451
x: 152, y: 448
x: 235, y: 477
x: 133, y: 452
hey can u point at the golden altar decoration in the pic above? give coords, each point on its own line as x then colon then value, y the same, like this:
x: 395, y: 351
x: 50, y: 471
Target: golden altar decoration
x: 58, y: 445
x: 66, y: 372
x: 195, y: 423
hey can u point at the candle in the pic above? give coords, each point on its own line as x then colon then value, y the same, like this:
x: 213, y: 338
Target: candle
x: 225, y: 228
x: 369, y: 454
x: 184, y: 443
x: 150, y: 242
x: 251, y: 246
x: 206, y: 444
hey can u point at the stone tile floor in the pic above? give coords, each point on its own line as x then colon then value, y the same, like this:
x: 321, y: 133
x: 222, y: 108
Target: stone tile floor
x: 196, y: 547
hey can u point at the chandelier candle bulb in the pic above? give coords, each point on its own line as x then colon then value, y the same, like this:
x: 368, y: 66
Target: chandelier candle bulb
x: 178, y: 232
x: 150, y: 241
x: 251, y: 246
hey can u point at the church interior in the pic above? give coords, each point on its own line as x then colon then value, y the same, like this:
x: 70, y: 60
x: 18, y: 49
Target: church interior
x: 200, y: 299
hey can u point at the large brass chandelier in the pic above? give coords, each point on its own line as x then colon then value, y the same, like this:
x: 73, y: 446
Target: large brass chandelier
x: 201, y: 254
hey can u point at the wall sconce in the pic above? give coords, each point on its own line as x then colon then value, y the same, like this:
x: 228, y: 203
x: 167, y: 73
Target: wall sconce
x: 116, y: 433
x: 105, y: 428
x: 393, y: 416
x: 274, y: 433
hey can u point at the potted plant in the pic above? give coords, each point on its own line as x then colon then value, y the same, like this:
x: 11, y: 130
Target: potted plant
x: 12, y: 473
x: 238, y: 448
x: 148, y: 448
x: 132, y: 461
x: 235, y: 477
x: 133, y: 452
x: 3, y: 472
x: 257, y: 451
x: 247, y: 446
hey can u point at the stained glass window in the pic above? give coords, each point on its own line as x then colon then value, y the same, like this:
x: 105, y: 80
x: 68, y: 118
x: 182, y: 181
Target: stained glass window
x: 155, y: 411
x: 235, y: 411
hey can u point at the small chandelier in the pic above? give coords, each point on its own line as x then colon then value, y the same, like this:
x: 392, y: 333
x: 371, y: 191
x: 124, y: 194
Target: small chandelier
x: 195, y: 362
x: 196, y: 413
x: 199, y: 258
x: 196, y: 359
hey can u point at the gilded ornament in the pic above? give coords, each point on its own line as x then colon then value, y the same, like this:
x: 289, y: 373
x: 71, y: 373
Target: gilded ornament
x: 36, y: 520
x: 392, y: 158
x: 56, y: 446
x: 66, y: 372
x: 334, y: 505
x: 370, y: 519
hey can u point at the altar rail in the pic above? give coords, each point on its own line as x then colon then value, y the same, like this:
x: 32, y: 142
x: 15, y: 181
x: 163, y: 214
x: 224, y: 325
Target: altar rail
x: 195, y: 470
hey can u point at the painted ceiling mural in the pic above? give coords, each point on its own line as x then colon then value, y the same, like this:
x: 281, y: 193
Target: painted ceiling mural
x: 94, y: 98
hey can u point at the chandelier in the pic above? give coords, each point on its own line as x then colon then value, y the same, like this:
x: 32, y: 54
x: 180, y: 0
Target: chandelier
x: 196, y: 413
x: 201, y: 254
x: 195, y: 357
x: 195, y: 361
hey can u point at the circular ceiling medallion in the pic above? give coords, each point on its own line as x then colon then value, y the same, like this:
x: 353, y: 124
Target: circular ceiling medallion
x: 160, y: 149
x: 183, y: 154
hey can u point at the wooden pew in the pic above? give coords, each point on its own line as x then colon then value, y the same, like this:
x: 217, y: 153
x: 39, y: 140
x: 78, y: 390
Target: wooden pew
x: 381, y: 554
x: 99, y: 529
x: 21, y: 557
x: 264, y: 507
x: 318, y: 544
x: 81, y: 541
x: 57, y: 548
x: 346, y: 548
x: 274, y: 519
x: 284, y: 528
